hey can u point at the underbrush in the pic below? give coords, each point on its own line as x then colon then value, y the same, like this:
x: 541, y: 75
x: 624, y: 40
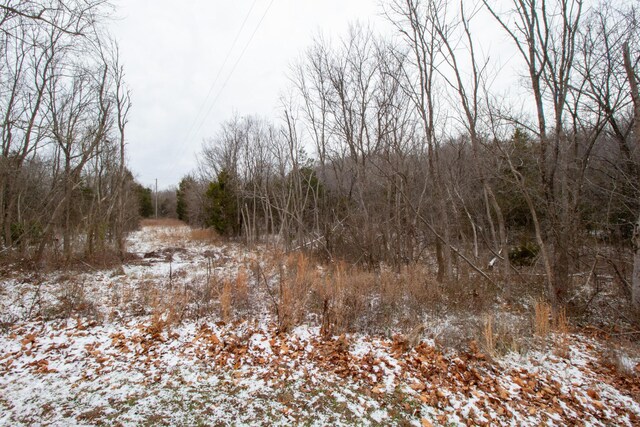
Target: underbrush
x: 161, y: 222
x: 194, y: 274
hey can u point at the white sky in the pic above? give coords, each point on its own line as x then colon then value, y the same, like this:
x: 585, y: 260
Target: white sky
x: 173, y: 50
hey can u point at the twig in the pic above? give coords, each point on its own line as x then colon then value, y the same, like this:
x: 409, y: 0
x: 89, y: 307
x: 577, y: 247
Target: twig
x: 36, y: 295
x: 625, y: 333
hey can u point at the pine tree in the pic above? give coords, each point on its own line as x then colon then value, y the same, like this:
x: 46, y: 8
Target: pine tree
x: 223, y: 205
x: 182, y: 207
x: 145, y: 201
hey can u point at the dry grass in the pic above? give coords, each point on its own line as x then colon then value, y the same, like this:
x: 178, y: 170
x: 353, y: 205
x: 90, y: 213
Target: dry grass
x: 338, y: 297
x: 541, y: 321
x: 296, y: 279
x: 161, y: 222
x: 171, y: 237
x: 71, y: 300
x: 207, y: 235
x: 489, y: 339
x: 560, y: 323
x: 241, y: 289
x: 335, y: 317
x: 501, y: 333
x: 552, y: 323
x: 347, y: 298
x: 561, y: 329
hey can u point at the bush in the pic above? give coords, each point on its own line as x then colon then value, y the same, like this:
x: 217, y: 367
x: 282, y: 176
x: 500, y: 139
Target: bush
x: 524, y: 254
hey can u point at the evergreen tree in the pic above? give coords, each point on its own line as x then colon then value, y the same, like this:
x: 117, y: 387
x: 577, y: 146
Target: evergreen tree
x: 223, y: 205
x: 145, y: 201
x: 181, y: 195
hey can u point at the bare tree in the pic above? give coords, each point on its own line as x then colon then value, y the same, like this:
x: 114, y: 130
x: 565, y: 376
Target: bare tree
x: 632, y: 76
x: 545, y: 35
x: 66, y: 109
x: 417, y: 22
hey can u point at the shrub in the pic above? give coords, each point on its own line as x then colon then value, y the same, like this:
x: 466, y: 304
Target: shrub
x: 524, y: 254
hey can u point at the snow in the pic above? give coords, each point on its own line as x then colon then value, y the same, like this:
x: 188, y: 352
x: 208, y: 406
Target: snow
x: 125, y: 357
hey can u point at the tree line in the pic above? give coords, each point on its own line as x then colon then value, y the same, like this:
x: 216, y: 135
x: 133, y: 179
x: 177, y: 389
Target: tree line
x: 64, y: 107
x: 404, y: 149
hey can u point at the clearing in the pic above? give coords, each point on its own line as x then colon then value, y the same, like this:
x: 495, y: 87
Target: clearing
x: 166, y: 340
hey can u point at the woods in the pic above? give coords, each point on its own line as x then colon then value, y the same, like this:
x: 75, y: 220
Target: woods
x: 389, y: 150
x: 64, y: 185
x: 397, y: 150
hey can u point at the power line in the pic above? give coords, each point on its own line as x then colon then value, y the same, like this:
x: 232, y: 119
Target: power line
x: 215, y: 80
x: 204, y: 118
x: 224, y: 85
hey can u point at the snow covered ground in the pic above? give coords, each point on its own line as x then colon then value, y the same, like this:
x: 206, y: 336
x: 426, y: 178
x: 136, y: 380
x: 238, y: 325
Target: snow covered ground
x: 116, y: 348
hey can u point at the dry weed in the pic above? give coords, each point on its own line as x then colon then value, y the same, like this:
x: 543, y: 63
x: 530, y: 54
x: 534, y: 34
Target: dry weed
x: 207, y: 235
x: 161, y: 222
x: 226, y: 301
x: 489, y: 339
x: 331, y: 294
x: 622, y: 358
x: 203, y: 296
x: 542, y: 314
x: 71, y: 300
x: 241, y: 297
x: 347, y: 296
x: 296, y: 279
x: 561, y: 329
x: 170, y: 237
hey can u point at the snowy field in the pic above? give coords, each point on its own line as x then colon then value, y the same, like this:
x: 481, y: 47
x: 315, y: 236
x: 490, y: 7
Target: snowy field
x: 117, y: 347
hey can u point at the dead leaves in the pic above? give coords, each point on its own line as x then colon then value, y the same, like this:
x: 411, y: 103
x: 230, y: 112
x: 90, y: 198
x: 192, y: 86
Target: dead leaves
x: 426, y: 423
x: 119, y: 342
x: 29, y: 339
x: 418, y: 386
x: 377, y: 390
x: 380, y: 368
x: 41, y: 366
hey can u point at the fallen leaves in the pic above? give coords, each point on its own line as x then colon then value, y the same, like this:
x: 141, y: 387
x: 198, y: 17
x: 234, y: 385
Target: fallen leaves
x: 593, y: 394
x: 28, y: 339
x: 41, y: 366
x: 377, y: 390
x: 426, y: 423
x: 439, y: 388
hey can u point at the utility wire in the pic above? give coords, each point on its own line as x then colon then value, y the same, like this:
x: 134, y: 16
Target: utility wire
x: 224, y: 85
x: 215, y: 80
x: 204, y: 118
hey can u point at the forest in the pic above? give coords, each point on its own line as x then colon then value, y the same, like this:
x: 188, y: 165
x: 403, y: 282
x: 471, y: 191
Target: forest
x: 64, y: 185
x: 401, y: 151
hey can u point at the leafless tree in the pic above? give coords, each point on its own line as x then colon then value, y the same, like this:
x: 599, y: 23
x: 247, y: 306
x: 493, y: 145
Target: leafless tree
x: 545, y: 34
x: 66, y: 109
x: 630, y: 66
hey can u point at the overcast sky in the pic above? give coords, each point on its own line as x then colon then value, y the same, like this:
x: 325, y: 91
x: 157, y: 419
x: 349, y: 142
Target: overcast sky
x: 173, y: 52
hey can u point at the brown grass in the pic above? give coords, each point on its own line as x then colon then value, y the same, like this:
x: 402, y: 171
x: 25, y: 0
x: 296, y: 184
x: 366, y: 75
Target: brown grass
x: 561, y: 328
x: 241, y: 288
x: 161, y: 222
x: 349, y: 298
x: 489, y: 339
x: 296, y: 279
x: 541, y: 321
x: 207, y: 235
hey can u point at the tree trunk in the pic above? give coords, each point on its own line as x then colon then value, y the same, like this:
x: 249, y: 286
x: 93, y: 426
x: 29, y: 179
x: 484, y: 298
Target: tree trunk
x: 635, y: 96
x: 635, y: 280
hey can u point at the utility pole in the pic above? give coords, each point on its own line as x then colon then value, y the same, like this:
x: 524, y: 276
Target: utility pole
x: 156, y: 198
